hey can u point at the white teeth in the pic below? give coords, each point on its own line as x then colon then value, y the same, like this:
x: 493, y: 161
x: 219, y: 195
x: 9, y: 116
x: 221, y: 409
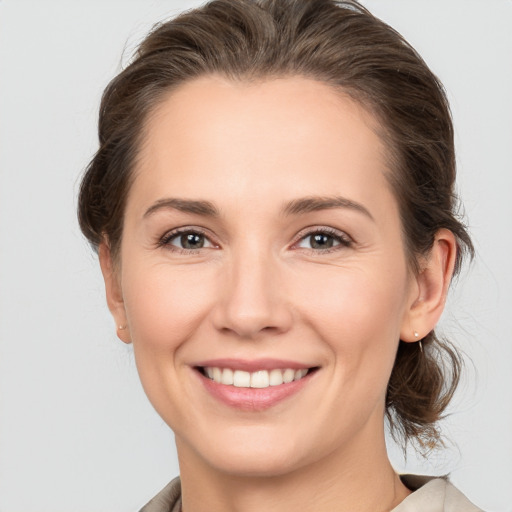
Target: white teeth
x: 227, y: 376
x: 276, y: 378
x: 217, y: 375
x: 241, y: 379
x: 300, y: 373
x: 259, y: 379
x: 288, y: 375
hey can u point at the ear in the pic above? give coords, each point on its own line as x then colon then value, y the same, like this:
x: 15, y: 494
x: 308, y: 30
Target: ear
x: 431, y: 288
x: 113, y: 292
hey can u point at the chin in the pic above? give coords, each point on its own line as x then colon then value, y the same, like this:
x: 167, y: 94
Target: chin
x: 254, y: 464
x: 261, y: 454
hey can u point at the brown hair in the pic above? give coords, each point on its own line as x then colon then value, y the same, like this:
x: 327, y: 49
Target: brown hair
x: 338, y: 43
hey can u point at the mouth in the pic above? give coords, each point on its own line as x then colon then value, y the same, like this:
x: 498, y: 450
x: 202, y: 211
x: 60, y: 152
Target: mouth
x: 253, y: 386
x: 259, y: 379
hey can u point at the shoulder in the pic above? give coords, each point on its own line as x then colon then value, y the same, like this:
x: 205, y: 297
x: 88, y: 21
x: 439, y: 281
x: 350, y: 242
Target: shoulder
x: 433, y: 495
x: 167, y: 500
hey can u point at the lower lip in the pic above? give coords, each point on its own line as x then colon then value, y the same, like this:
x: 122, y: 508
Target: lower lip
x: 253, y: 399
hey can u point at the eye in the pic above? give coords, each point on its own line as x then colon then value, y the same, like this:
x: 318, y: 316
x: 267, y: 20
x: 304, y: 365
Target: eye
x: 324, y: 240
x: 186, y: 240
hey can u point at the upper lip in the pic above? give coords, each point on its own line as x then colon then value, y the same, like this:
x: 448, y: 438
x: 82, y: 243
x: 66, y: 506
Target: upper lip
x: 253, y: 365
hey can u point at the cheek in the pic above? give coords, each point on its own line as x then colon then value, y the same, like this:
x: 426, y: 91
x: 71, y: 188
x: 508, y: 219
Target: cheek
x: 359, y: 317
x: 359, y: 314
x: 358, y: 297
x: 164, y: 305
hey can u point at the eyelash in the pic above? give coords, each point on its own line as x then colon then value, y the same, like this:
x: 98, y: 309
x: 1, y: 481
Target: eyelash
x: 344, y: 241
x: 166, y: 240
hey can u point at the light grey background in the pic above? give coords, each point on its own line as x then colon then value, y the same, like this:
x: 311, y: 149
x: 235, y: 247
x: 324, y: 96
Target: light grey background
x: 76, y: 431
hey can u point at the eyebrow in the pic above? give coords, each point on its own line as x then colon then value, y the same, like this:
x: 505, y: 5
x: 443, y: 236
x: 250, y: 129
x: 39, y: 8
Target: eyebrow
x: 296, y: 207
x: 204, y: 208
x: 315, y: 203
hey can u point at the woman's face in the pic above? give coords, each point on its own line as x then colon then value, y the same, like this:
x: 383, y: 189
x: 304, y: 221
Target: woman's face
x: 261, y: 240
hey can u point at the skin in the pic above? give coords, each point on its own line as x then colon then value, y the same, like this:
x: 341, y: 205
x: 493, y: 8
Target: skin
x: 258, y: 288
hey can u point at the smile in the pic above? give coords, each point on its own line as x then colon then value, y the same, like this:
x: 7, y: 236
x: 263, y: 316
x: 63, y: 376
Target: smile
x: 253, y: 385
x: 258, y: 379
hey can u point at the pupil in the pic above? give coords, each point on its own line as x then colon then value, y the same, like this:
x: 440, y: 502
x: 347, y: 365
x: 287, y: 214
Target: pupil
x: 321, y: 241
x: 192, y: 241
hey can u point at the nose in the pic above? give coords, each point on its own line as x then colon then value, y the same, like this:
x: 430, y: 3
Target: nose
x: 253, y: 299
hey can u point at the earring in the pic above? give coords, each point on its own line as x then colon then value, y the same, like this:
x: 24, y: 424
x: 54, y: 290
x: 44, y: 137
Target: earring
x: 121, y: 327
x: 416, y: 335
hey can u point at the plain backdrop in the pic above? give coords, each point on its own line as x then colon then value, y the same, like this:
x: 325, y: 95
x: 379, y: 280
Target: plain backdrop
x: 76, y: 431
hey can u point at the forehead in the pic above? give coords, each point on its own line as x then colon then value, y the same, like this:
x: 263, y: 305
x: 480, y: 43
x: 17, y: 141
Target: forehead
x: 285, y: 137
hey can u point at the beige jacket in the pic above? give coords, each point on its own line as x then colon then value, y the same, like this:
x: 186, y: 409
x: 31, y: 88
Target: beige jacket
x: 431, y: 495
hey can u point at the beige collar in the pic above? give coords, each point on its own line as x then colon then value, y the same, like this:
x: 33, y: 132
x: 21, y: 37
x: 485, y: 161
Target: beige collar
x: 430, y: 495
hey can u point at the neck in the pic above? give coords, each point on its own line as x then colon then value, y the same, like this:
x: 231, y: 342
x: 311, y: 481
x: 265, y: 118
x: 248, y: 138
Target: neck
x: 357, y: 479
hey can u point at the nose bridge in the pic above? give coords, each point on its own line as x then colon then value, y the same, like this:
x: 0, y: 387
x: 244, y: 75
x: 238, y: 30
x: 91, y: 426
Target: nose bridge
x: 252, y: 298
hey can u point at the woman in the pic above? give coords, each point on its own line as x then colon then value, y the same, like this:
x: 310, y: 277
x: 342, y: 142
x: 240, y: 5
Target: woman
x: 272, y: 203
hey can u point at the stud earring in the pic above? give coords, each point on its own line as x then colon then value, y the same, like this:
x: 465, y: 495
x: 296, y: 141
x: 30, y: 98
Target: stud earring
x: 416, y: 335
x: 121, y: 327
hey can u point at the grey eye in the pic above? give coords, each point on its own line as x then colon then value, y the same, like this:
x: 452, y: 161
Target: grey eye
x: 191, y: 241
x: 320, y: 241
x: 188, y: 240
